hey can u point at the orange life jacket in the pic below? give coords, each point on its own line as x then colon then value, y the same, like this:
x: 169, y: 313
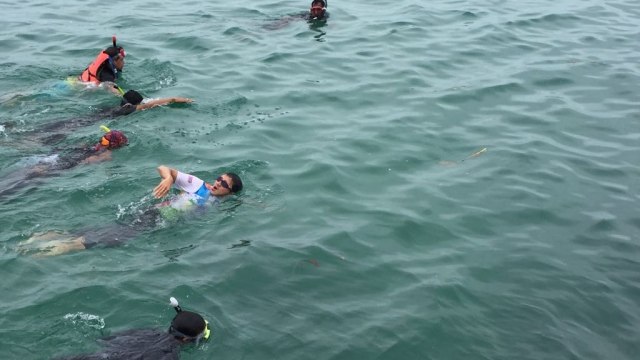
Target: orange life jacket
x: 90, y: 74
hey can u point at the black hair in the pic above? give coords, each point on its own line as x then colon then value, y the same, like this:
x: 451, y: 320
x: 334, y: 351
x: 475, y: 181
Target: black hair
x: 131, y: 97
x: 113, y: 50
x: 324, y: 2
x: 187, y: 324
x: 237, y: 183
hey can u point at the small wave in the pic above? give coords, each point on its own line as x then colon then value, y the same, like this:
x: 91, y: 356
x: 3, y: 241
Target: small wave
x: 84, y: 319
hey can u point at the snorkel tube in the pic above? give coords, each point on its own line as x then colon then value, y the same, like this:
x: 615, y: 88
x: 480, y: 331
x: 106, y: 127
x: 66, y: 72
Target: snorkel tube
x: 116, y: 51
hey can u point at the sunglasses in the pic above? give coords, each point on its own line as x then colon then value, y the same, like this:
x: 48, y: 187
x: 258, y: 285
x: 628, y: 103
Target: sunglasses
x: 223, y: 182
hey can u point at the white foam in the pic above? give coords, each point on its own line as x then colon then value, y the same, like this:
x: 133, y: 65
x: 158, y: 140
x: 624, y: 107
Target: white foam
x: 80, y: 318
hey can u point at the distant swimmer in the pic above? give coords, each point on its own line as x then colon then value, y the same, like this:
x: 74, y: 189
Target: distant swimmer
x: 52, y: 164
x: 195, y: 196
x: 317, y: 12
x: 106, y: 67
x: 153, y: 344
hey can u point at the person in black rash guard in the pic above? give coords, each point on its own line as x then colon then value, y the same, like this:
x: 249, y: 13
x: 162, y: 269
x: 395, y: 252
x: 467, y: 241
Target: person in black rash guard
x: 54, y: 163
x: 317, y: 12
x: 153, y: 344
x: 132, y: 101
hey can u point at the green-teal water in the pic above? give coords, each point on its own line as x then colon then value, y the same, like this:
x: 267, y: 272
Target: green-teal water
x: 373, y: 230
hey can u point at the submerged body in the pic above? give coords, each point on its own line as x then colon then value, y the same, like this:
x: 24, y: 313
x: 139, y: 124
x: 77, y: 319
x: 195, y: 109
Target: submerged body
x: 54, y: 132
x: 52, y: 164
x: 187, y: 327
x: 317, y: 12
x: 142, y: 344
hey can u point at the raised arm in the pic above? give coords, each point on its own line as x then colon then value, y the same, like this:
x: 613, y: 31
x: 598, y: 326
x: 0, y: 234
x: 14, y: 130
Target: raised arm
x: 168, y: 176
x: 164, y: 101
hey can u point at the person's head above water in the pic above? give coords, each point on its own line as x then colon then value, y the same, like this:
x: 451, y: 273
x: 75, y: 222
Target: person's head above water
x: 112, y: 139
x: 188, y: 326
x: 318, y: 9
x: 131, y: 97
x: 225, y: 184
x: 117, y: 54
x: 106, y: 66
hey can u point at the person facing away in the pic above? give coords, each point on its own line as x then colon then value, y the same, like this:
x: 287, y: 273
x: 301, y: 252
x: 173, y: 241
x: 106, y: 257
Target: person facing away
x: 132, y: 101
x: 153, y: 344
x: 317, y: 12
x: 67, y: 159
x: 195, y: 195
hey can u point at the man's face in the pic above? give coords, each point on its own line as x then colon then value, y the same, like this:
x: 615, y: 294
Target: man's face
x: 317, y: 9
x: 222, y: 186
x: 119, y: 62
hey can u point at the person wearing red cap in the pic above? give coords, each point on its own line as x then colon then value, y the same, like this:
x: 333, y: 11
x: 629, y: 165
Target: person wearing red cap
x: 67, y: 159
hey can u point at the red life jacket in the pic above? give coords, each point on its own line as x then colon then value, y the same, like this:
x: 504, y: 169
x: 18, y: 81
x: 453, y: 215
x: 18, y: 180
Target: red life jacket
x: 90, y: 74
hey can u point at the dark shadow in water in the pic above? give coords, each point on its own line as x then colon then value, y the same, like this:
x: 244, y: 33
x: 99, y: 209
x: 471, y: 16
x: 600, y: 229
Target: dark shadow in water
x: 174, y: 254
x: 316, y: 26
x: 242, y: 243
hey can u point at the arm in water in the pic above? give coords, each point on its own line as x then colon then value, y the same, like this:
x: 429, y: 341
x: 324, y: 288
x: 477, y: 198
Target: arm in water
x: 163, y: 101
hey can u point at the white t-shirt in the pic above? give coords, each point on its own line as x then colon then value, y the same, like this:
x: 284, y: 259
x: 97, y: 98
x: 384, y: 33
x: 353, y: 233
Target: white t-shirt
x: 188, y: 183
x: 193, y: 194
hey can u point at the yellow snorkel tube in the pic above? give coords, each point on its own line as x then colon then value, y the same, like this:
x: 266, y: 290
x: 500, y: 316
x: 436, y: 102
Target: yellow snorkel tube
x: 207, y: 331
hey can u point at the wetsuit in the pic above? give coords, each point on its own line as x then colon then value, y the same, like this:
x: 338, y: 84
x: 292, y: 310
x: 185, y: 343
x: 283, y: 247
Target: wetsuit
x: 141, y: 344
x: 279, y: 24
x: 105, y: 73
x: 48, y: 166
x: 54, y: 132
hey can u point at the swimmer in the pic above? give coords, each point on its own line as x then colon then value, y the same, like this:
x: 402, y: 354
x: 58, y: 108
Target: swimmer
x: 106, y: 68
x: 186, y: 328
x: 53, y: 163
x: 132, y: 101
x: 317, y: 12
x: 195, y: 195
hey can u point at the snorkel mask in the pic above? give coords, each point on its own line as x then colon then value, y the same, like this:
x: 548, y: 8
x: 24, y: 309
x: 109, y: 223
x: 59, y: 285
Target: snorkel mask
x: 185, y: 321
x: 317, y: 10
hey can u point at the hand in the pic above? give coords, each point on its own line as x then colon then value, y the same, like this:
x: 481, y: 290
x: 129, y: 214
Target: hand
x: 163, y: 188
x: 182, y: 100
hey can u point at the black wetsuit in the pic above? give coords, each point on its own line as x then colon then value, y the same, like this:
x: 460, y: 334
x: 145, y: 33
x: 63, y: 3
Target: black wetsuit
x: 54, y: 132
x: 105, y: 73
x: 17, y: 180
x: 141, y: 344
x: 278, y: 24
x: 116, y: 234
